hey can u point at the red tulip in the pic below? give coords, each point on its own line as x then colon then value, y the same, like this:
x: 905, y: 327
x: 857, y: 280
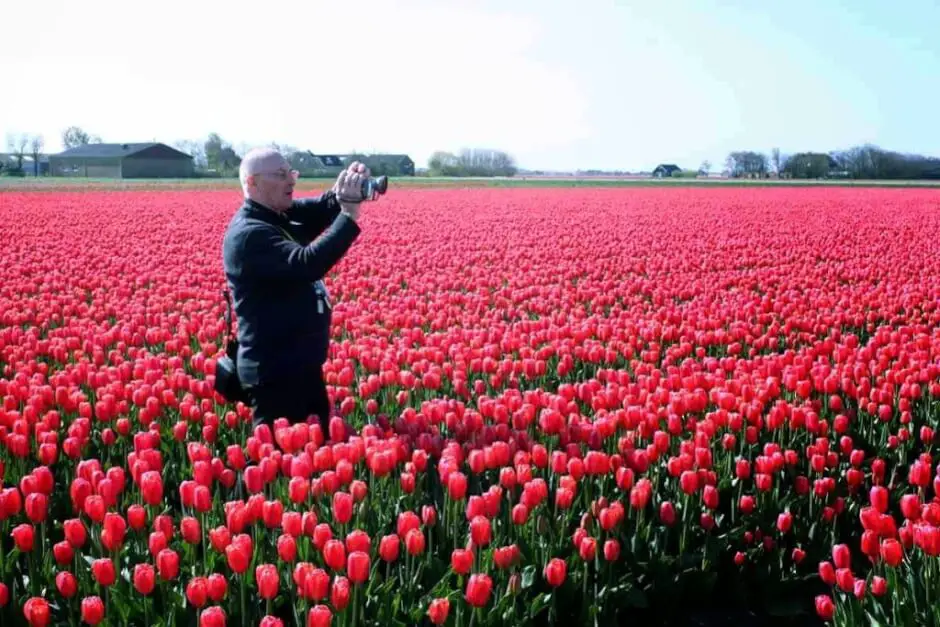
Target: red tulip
x: 144, y: 579
x: 342, y: 507
x: 103, y: 572
x: 878, y: 496
x: 319, y: 616
x: 457, y: 486
x: 266, y: 576
x: 611, y: 550
x: 892, y: 553
x: 112, y: 536
x: 197, y: 592
x: 286, y: 548
x: 4, y: 591
x: 217, y: 587
x: 841, y: 555
x: 480, y: 531
x: 784, y: 522
x: 136, y: 517
x: 212, y: 617
x: 334, y: 554
x: 461, y: 560
x: 36, y: 611
x: 66, y: 584
x: 237, y: 558
x: 339, y: 593
x: 479, y: 587
x: 555, y: 572
x: 587, y: 548
x: 92, y: 610
x: 75, y: 533
x: 23, y: 537
x: 151, y: 487
x: 63, y: 553
x: 438, y: 611
x: 190, y: 530
x: 357, y: 567
x: 36, y: 507
x: 389, y: 547
x: 825, y: 607
x: 414, y: 542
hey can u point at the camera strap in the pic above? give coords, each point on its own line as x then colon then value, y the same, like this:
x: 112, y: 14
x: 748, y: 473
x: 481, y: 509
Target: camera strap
x: 323, y: 295
x: 230, y: 333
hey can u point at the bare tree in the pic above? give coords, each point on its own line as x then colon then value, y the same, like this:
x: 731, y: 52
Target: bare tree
x: 35, y: 146
x: 775, y: 159
x: 75, y: 136
x: 17, y: 144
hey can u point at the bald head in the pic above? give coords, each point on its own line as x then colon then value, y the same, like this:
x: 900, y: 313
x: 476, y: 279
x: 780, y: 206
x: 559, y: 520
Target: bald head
x: 267, y: 178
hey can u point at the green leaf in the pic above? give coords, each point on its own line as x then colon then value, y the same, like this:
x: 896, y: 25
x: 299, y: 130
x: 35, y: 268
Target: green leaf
x: 540, y: 603
x: 528, y: 576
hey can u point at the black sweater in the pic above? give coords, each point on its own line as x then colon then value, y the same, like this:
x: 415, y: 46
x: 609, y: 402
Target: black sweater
x: 276, y: 280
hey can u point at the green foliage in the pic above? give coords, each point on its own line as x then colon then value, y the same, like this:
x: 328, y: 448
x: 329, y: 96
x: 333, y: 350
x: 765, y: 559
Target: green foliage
x: 472, y: 162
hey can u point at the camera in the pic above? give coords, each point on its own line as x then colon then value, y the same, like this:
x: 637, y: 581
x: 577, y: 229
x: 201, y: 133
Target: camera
x: 373, y: 187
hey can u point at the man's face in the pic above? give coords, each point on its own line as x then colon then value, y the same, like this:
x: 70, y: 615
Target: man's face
x: 273, y: 184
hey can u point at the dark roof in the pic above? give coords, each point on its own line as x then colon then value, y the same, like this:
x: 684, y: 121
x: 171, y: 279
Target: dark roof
x: 667, y: 166
x: 330, y: 160
x: 113, y: 150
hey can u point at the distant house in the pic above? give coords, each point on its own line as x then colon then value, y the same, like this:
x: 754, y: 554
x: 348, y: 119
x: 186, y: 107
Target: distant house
x: 666, y: 170
x: 122, y: 161
x: 390, y: 165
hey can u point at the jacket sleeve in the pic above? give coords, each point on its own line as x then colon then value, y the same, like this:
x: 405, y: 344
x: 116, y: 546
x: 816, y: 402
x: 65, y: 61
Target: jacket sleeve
x: 314, y: 214
x: 268, y: 254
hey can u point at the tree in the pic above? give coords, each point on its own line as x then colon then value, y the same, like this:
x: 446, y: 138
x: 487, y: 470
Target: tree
x: 195, y: 149
x: 443, y: 164
x: 35, y: 146
x: 472, y: 162
x: 810, y: 165
x: 775, y: 160
x: 75, y: 136
x: 747, y: 164
x: 705, y: 168
x: 17, y: 144
x: 220, y: 156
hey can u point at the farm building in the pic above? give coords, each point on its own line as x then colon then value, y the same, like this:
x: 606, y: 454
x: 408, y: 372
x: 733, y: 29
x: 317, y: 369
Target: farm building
x: 310, y: 164
x: 390, y: 165
x: 145, y: 160
x: 666, y: 170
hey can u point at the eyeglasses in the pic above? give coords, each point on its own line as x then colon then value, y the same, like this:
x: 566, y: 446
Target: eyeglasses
x: 282, y: 175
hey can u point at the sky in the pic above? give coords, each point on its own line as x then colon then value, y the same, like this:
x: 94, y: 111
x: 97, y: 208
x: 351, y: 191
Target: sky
x: 558, y: 85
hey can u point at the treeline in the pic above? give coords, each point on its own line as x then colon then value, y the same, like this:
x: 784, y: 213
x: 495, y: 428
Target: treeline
x: 472, y: 162
x: 867, y: 162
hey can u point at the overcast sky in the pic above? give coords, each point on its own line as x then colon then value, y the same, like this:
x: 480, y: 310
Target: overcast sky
x: 557, y: 84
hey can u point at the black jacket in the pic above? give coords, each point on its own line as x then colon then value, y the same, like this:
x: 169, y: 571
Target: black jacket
x: 283, y: 323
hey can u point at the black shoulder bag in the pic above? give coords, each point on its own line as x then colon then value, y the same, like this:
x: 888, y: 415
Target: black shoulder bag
x: 227, y: 382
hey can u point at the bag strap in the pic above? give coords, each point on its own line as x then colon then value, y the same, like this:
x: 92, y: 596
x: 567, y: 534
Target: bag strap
x: 230, y: 333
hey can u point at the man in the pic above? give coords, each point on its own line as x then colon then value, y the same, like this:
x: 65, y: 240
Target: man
x: 275, y: 264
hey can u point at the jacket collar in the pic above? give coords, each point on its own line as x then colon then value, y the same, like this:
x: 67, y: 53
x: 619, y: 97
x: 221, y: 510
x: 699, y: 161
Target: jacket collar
x: 259, y: 211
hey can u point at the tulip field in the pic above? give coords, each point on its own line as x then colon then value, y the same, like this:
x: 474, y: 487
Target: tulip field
x: 566, y: 406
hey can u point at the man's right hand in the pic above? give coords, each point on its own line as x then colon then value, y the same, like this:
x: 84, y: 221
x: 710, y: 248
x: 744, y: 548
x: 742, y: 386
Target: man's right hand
x: 348, y: 188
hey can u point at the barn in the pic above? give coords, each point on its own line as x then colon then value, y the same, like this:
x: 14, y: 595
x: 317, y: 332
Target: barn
x: 666, y: 170
x: 122, y: 161
x: 387, y: 164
